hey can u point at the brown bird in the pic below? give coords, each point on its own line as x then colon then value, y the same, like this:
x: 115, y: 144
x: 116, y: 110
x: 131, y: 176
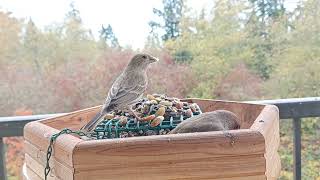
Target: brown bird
x: 219, y: 120
x: 126, y: 90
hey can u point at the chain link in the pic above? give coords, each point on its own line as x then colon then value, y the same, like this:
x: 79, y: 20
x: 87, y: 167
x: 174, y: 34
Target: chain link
x: 53, y: 138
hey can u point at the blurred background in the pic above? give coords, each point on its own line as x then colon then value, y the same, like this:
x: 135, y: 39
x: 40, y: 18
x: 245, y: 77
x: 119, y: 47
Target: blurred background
x: 61, y: 56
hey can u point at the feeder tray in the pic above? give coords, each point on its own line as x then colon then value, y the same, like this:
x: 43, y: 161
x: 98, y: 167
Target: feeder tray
x: 205, y: 155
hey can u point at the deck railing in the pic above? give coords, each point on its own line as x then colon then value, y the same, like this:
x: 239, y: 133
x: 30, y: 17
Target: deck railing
x: 295, y: 109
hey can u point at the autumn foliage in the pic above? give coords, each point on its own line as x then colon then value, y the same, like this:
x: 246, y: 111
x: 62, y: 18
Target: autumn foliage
x: 232, y: 52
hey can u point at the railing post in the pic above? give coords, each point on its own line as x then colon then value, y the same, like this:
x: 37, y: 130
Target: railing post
x: 3, y: 174
x: 297, y: 148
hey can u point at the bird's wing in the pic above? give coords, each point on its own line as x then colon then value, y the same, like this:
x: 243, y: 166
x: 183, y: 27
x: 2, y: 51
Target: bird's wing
x: 129, y: 90
x: 126, y: 96
x: 113, y: 91
x: 124, y: 91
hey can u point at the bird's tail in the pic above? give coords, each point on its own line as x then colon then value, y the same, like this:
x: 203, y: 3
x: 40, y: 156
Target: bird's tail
x: 93, y: 122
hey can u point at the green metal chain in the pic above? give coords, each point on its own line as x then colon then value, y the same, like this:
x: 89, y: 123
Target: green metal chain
x: 53, y: 138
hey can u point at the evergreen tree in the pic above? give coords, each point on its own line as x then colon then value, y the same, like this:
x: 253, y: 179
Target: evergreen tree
x: 73, y: 26
x: 109, y: 37
x: 170, y: 15
x: 31, y: 42
x: 264, y: 13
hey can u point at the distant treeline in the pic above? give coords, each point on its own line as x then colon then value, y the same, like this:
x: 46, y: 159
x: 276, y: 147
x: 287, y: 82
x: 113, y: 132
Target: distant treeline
x: 238, y: 50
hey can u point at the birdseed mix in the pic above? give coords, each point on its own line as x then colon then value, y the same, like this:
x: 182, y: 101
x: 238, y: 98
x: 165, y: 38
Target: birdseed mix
x: 159, y: 115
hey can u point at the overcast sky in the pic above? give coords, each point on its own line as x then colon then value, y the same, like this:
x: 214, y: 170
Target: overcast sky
x: 128, y: 18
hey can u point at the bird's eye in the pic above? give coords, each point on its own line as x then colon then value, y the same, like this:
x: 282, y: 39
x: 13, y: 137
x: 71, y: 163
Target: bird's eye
x: 144, y: 56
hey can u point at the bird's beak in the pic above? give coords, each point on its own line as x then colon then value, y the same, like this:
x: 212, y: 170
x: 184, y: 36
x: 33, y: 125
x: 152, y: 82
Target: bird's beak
x: 154, y: 59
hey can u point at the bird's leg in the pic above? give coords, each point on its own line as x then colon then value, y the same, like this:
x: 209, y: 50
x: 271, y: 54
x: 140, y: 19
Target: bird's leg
x: 229, y: 135
x: 133, y: 113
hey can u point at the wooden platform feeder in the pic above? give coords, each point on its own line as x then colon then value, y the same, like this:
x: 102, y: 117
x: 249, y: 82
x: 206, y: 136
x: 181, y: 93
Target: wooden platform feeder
x: 207, y: 155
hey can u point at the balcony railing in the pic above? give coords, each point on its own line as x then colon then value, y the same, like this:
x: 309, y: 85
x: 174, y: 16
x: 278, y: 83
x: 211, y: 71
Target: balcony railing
x: 295, y: 109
